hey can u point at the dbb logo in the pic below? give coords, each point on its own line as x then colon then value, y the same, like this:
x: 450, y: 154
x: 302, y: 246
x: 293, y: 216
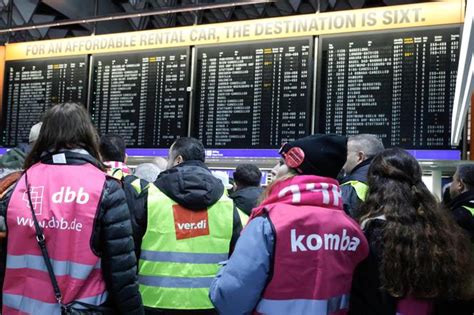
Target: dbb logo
x: 36, y: 195
x: 67, y: 195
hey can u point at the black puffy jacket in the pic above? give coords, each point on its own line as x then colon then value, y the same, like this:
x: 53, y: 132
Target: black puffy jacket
x: 111, y: 240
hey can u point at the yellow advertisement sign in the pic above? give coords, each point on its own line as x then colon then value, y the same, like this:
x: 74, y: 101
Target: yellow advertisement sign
x: 403, y: 16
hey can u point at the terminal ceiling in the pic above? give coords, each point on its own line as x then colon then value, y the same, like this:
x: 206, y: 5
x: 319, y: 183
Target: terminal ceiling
x: 30, y: 12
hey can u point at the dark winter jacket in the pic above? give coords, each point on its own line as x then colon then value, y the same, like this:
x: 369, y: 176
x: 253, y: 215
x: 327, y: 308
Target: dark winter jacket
x: 137, y: 201
x: 349, y: 195
x: 246, y: 198
x: 463, y: 216
x: 367, y: 297
x: 111, y: 240
x: 192, y: 185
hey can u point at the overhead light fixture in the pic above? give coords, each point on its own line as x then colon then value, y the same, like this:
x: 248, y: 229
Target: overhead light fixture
x: 464, y: 79
x: 122, y: 16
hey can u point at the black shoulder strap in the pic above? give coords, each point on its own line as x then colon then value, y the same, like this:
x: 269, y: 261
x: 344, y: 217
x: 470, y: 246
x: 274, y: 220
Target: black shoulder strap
x: 42, y: 244
x: 129, y: 179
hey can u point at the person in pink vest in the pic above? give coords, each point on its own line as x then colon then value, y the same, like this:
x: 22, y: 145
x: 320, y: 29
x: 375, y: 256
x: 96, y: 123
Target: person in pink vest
x: 420, y: 261
x: 83, y: 218
x: 299, y: 250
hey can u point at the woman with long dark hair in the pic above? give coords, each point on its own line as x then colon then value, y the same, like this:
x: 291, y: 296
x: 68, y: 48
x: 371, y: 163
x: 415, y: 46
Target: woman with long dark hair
x: 69, y: 241
x: 418, y: 255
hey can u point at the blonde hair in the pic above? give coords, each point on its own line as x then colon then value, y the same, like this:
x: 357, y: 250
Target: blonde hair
x: 291, y: 173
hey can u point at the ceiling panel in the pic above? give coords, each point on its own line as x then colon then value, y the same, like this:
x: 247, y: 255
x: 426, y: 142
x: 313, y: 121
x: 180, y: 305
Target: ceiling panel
x: 37, y: 11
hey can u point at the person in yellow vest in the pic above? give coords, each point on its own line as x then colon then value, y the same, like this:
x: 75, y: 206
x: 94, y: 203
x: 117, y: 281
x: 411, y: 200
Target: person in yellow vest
x: 191, y: 226
x: 462, y: 197
x: 114, y: 156
x: 360, y: 151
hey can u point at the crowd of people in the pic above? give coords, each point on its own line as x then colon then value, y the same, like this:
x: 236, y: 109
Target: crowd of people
x: 345, y: 227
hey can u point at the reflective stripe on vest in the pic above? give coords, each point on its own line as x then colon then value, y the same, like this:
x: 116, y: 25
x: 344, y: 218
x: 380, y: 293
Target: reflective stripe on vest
x: 470, y: 209
x: 177, y: 266
x: 23, y: 304
x: 360, y: 188
x: 244, y: 218
x: 116, y: 173
x: 61, y: 268
x: 65, y: 200
x: 190, y: 258
x: 120, y: 175
x: 136, y: 184
x: 302, y: 306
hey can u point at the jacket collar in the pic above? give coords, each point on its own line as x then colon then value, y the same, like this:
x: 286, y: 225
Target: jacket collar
x: 117, y: 165
x: 190, y: 184
x: 243, y: 191
x: 464, y: 199
x: 304, y: 190
x: 359, y: 172
x: 69, y: 157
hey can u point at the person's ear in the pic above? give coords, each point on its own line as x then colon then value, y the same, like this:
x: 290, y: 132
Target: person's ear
x: 360, y: 156
x: 178, y: 160
x: 460, y: 186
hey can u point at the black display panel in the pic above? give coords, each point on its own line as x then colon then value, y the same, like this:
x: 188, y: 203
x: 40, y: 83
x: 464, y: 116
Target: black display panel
x: 32, y: 86
x: 142, y: 96
x: 399, y: 86
x: 253, y: 95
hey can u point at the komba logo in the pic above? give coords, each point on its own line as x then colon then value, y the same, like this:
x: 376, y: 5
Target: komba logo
x: 327, y: 241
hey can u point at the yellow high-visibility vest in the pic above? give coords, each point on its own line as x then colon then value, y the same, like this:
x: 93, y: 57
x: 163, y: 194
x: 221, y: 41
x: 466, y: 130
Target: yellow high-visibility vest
x: 181, y: 251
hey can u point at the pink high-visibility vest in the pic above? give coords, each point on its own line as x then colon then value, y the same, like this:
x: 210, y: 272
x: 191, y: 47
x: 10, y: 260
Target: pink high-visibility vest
x: 412, y: 306
x: 65, y: 199
x: 317, y: 247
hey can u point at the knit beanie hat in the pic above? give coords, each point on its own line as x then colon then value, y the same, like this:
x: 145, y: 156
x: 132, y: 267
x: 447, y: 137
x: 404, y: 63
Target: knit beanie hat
x: 319, y: 154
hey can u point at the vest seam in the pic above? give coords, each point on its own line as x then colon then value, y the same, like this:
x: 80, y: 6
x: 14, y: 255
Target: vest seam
x: 272, y: 258
x: 97, y: 217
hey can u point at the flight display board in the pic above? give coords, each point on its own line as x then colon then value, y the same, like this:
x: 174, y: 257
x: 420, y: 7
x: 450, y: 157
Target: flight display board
x: 34, y: 86
x: 399, y: 86
x: 142, y: 96
x: 253, y: 95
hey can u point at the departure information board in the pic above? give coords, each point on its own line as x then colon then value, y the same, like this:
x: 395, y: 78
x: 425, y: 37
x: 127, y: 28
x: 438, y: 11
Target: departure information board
x: 253, y: 95
x: 399, y: 86
x: 34, y: 86
x: 142, y: 96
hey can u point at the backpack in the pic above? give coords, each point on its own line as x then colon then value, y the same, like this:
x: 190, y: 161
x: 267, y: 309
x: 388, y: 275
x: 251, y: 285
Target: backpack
x: 13, y: 158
